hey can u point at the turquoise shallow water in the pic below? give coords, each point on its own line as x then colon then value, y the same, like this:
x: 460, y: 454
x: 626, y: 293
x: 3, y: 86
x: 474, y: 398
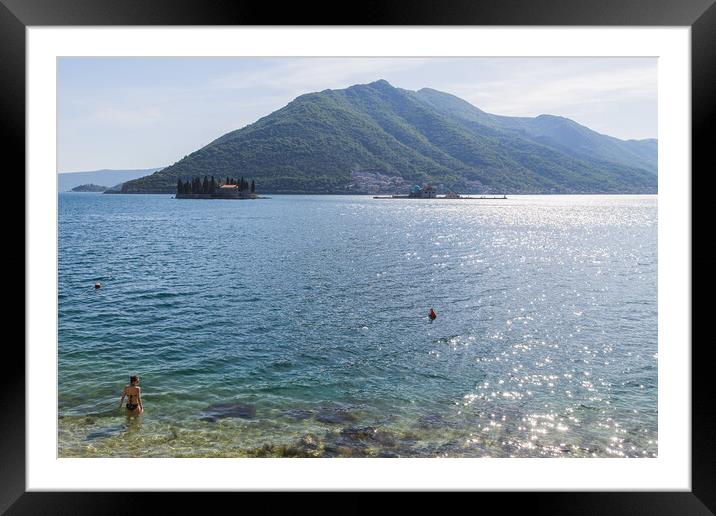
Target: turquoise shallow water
x: 297, y: 326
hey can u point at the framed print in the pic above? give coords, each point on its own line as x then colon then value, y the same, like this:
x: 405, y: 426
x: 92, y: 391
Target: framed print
x: 451, y: 250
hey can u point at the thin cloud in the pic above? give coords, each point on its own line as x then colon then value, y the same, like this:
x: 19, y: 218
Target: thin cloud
x: 316, y: 74
x: 553, y: 95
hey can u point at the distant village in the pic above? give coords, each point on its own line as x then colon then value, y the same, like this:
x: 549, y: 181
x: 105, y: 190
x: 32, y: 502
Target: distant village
x: 375, y: 182
x: 210, y: 188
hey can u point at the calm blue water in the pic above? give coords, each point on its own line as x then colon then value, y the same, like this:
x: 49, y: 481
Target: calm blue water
x: 296, y: 326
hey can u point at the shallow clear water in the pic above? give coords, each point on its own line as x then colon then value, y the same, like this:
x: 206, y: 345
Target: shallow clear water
x: 303, y: 320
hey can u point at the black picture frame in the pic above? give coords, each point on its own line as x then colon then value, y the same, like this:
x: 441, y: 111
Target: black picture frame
x: 700, y: 15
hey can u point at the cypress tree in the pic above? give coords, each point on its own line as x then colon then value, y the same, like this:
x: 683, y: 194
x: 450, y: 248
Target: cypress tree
x: 253, y: 186
x: 212, y: 185
x: 205, y: 185
x: 178, y: 186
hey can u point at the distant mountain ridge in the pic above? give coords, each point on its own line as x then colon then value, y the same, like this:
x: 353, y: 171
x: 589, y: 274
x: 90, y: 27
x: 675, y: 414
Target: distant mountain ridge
x: 66, y: 181
x: 329, y: 141
x: 556, y: 131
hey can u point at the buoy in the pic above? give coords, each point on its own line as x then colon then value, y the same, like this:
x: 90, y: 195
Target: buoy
x: 97, y: 285
x: 432, y: 314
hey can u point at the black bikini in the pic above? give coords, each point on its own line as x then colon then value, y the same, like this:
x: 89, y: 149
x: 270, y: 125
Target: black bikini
x: 131, y: 406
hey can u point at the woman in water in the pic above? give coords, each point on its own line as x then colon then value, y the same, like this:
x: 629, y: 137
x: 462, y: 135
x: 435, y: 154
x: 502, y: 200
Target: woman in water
x: 134, y: 396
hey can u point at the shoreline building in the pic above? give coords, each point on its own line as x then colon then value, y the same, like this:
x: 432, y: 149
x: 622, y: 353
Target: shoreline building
x: 423, y: 192
x: 232, y: 192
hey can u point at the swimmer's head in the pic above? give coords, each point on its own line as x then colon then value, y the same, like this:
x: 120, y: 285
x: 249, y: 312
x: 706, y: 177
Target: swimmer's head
x: 134, y: 380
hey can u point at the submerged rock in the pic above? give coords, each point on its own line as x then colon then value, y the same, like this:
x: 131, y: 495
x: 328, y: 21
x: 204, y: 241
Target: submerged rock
x: 449, y: 448
x: 359, y: 442
x: 360, y: 434
x: 297, y: 414
x: 432, y: 421
x: 105, y: 432
x: 385, y: 438
x: 307, y: 446
x: 369, y: 434
x: 223, y: 410
x: 334, y: 416
x: 330, y: 451
x: 309, y: 442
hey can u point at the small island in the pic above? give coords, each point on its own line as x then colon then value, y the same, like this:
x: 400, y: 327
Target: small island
x: 91, y: 187
x: 210, y: 188
x: 430, y: 192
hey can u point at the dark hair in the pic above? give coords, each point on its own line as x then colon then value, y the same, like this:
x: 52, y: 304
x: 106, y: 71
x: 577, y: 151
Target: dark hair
x: 133, y: 378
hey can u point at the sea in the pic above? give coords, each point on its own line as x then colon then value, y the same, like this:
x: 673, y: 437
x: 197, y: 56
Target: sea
x: 297, y: 326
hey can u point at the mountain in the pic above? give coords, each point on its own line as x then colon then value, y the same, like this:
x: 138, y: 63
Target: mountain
x: 554, y: 131
x: 68, y: 180
x: 372, y: 137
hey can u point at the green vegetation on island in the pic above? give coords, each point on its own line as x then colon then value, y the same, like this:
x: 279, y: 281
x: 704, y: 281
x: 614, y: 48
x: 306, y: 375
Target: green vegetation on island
x: 374, y: 137
x: 89, y: 188
x: 210, y: 188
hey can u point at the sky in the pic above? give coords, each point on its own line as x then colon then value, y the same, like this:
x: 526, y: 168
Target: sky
x: 145, y: 112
